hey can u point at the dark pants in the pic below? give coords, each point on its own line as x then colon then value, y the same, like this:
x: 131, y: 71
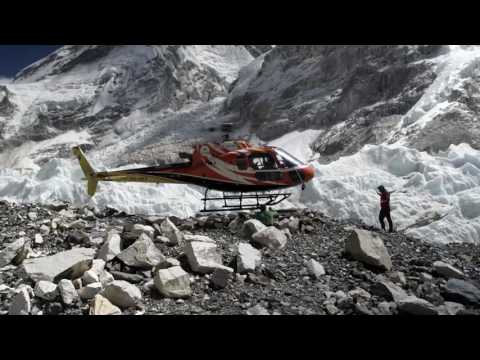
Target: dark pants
x: 385, y: 213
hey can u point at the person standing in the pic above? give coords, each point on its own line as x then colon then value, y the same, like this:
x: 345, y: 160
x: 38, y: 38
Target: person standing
x: 385, y: 208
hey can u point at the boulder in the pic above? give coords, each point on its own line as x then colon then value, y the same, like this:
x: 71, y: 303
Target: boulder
x: 11, y: 251
x: 90, y: 277
x: 220, y: 277
x: 201, y: 238
x: 32, y: 215
x: 106, y: 278
x: 257, y: 310
x: 398, y: 277
x: 203, y: 257
x: 142, y: 254
x: 131, y: 278
x: 270, y: 237
x: 101, y: 306
x: 38, y: 239
x: 46, y: 290
x: 111, y: 247
x: 67, y: 291
x: 414, y: 306
x: 21, y: 303
x: 44, y: 229
x: 388, y: 290
x: 248, y: 258
x: 169, y: 230
x: 98, y: 266
x: 368, y: 248
x: 251, y: 227
x: 450, y: 308
x: 461, y: 291
x: 122, y: 294
x: 359, y: 293
x: 168, y: 263
x: 88, y: 292
x: 315, y: 268
x: 78, y: 237
x: 139, y: 229
x: 173, y: 282
x: 447, y: 270
x: 69, y: 264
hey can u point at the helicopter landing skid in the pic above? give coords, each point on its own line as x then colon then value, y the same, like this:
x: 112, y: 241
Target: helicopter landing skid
x: 244, y: 201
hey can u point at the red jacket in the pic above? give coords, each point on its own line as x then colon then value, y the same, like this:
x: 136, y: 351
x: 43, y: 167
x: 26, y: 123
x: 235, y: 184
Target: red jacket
x: 385, y: 200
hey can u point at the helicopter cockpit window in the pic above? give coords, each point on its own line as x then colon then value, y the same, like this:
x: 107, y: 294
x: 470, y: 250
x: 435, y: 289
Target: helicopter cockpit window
x: 286, y: 160
x: 263, y: 162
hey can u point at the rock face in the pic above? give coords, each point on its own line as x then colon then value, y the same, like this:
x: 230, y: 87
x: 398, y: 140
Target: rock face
x: 111, y: 248
x: 251, y: 227
x: 173, y: 282
x: 414, y: 306
x: 270, y: 237
x: 21, y: 303
x: 142, y: 254
x: 71, y: 264
x: 315, y: 268
x: 67, y: 291
x: 368, y: 248
x: 11, y: 251
x: 203, y: 257
x: 46, y: 290
x: 101, y: 306
x: 462, y: 292
x: 447, y: 270
x: 122, y: 294
x: 248, y: 258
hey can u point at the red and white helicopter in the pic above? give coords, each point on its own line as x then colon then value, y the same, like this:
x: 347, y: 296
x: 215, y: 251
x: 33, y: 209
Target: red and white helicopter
x: 241, y: 171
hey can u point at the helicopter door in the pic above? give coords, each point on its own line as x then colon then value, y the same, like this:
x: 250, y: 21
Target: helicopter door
x: 266, y: 167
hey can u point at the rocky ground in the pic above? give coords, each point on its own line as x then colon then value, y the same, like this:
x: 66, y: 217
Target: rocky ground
x: 63, y: 260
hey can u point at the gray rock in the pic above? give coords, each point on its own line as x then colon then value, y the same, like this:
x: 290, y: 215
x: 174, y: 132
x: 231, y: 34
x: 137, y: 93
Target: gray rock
x: 131, y: 278
x: 101, y: 306
x: 447, y: 270
x: 90, y: 277
x: 139, y: 229
x: 21, y: 303
x: 388, y: 290
x: 248, y: 258
x: 315, y: 268
x: 414, y: 306
x: 398, y: 277
x: 359, y: 293
x: 88, y: 292
x: 98, y: 266
x: 142, y: 254
x: 11, y: 251
x: 67, y: 291
x: 220, y: 277
x: 251, y: 227
x: 69, y: 264
x: 257, y: 310
x: 111, y: 248
x: 122, y: 294
x: 173, y: 282
x: 461, y: 291
x: 368, y: 248
x: 203, y: 257
x: 106, y: 278
x: 45, y: 230
x: 32, y: 216
x: 201, y: 238
x: 450, y: 308
x: 270, y: 237
x: 169, y: 230
x: 46, y: 290
x: 387, y: 308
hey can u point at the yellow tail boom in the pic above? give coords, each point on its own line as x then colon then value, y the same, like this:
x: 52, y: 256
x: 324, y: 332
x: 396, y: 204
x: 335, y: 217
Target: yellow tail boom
x: 90, y: 174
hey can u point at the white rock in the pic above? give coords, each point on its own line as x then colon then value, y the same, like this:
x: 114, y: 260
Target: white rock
x: 98, y: 265
x: 359, y: 293
x: 171, y: 232
x: 67, y: 291
x: 45, y: 230
x: 38, y: 239
x: 32, y: 215
x: 90, y: 277
x: 368, y: 248
x: 450, y: 308
x: 72, y: 263
x: 398, y: 277
x: 201, y: 238
x: 106, y: 278
x: 447, y: 270
x: 46, y: 290
x: 11, y: 251
x: 248, y: 258
x: 415, y: 306
x: 143, y: 229
x: 122, y: 294
x: 173, y: 282
x: 270, y: 237
x: 257, y: 310
x: 101, y: 306
x: 21, y: 303
x: 203, y: 257
x: 251, y: 227
x: 111, y: 248
x: 88, y: 292
x: 96, y: 241
x: 315, y: 268
x: 142, y: 254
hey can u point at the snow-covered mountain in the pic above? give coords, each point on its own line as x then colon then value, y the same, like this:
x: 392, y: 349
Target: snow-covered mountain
x: 400, y: 115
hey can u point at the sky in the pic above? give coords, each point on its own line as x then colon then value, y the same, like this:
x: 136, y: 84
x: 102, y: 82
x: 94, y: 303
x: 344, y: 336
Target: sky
x: 14, y: 58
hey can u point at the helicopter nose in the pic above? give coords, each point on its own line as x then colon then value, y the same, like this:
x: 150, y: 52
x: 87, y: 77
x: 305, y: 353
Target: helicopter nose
x: 308, y: 173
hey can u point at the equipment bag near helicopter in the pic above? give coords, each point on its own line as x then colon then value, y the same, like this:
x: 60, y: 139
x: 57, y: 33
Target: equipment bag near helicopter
x: 247, y: 171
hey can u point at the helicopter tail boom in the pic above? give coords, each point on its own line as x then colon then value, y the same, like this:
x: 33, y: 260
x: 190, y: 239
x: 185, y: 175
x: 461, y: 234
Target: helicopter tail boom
x: 87, y: 169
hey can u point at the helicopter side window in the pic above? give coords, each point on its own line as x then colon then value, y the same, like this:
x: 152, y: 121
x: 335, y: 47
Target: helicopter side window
x: 263, y: 162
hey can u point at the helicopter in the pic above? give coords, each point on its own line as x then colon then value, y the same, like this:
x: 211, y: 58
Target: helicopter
x: 241, y: 171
